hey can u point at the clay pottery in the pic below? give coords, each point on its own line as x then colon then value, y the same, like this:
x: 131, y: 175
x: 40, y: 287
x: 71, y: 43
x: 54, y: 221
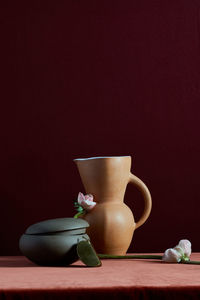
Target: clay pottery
x: 53, y: 242
x: 111, y: 221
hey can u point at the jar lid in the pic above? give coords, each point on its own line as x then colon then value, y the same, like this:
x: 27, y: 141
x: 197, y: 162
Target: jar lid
x: 56, y: 225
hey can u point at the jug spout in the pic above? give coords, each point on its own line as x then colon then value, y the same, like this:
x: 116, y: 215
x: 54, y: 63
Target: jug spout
x: 98, y: 157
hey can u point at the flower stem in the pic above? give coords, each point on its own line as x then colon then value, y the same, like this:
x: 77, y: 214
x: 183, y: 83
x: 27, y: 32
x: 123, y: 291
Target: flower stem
x: 191, y: 262
x: 81, y: 213
x: 138, y: 256
x: 141, y: 256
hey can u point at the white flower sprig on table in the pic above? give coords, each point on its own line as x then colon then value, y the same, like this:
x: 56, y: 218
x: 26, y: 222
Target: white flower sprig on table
x: 179, y: 254
x: 84, y: 204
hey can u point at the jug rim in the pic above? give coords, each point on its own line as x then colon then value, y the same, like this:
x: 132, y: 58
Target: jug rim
x: 98, y: 157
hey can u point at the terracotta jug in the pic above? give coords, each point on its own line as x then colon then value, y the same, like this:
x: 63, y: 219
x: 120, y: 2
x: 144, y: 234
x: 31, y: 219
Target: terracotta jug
x: 111, y: 221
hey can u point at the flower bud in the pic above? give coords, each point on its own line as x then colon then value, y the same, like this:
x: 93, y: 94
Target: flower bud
x: 171, y: 255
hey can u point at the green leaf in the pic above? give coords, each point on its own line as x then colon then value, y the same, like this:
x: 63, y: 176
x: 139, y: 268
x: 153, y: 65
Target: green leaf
x: 79, y: 209
x: 87, y: 254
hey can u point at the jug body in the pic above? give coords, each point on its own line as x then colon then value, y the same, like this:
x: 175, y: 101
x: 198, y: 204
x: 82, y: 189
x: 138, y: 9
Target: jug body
x: 111, y: 227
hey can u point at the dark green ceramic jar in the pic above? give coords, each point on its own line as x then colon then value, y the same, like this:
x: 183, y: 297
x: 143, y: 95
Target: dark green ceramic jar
x: 53, y: 242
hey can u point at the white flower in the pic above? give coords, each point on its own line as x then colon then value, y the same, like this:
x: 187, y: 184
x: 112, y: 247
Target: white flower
x: 86, y: 201
x: 179, y: 253
x: 171, y: 255
x: 186, y: 246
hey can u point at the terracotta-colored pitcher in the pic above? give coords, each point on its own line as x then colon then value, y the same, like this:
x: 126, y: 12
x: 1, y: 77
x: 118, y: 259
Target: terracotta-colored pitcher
x: 111, y: 221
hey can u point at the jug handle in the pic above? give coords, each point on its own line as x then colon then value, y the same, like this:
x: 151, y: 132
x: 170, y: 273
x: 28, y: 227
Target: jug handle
x: 146, y: 195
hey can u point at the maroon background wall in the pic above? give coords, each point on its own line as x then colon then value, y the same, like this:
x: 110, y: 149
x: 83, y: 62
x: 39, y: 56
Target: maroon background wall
x: 93, y: 78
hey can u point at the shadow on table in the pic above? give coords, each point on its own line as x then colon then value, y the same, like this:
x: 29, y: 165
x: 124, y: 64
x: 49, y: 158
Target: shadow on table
x: 10, y: 262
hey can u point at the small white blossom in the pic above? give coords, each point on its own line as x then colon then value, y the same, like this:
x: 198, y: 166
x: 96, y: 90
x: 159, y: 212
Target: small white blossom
x: 171, y: 255
x: 186, y: 246
x: 179, y: 253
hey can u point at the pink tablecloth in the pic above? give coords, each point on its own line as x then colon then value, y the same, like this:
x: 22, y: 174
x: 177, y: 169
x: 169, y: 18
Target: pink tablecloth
x: 118, y: 279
